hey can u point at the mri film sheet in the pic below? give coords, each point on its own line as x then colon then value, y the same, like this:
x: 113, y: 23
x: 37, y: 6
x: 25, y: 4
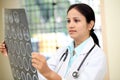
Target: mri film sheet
x: 18, y: 43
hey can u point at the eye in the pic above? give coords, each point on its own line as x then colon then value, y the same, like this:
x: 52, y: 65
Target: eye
x: 68, y: 21
x: 76, y: 20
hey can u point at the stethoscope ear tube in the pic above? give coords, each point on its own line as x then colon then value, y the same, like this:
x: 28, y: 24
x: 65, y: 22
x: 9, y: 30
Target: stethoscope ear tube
x: 65, y: 54
x: 85, y: 57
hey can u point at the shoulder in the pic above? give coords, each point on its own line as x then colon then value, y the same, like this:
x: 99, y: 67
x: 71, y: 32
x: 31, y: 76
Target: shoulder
x: 98, y: 51
x: 59, y: 53
x: 61, y: 50
x: 98, y: 54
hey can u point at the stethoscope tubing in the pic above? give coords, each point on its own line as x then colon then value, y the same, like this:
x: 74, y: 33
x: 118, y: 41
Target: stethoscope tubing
x: 75, y: 73
x: 85, y: 57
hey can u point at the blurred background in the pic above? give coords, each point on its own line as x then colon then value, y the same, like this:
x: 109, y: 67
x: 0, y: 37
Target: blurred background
x: 47, y: 26
x: 47, y: 23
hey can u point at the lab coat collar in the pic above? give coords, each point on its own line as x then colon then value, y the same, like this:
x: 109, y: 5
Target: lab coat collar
x: 80, y: 47
x: 84, y: 47
x: 88, y: 46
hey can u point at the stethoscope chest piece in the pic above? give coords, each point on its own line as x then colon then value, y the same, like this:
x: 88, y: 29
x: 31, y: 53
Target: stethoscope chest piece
x: 75, y: 74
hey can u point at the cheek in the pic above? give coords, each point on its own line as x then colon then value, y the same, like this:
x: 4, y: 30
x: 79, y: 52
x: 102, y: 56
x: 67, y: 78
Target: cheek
x: 81, y: 29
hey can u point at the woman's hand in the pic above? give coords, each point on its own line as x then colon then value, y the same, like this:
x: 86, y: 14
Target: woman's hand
x: 3, y: 49
x: 40, y: 63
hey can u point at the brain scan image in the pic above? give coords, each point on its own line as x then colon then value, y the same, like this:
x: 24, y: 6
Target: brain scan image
x: 10, y: 18
x: 17, y: 40
x: 16, y: 16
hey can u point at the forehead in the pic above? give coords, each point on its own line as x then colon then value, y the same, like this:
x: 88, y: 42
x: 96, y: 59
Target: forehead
x: 74, y: 13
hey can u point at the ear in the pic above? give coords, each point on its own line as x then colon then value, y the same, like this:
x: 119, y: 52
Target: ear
x: 91, y: 24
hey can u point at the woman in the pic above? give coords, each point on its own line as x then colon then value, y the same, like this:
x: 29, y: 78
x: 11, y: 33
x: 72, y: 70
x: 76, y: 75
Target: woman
x: 82, y: 59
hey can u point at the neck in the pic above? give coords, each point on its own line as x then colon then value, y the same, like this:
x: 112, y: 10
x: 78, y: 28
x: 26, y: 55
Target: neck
x: 79, y: 41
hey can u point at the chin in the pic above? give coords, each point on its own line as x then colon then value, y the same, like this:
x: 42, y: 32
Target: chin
x: 73, y: 37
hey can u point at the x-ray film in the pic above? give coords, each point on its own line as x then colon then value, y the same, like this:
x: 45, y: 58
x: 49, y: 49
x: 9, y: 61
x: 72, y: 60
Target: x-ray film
x: 18, y: 43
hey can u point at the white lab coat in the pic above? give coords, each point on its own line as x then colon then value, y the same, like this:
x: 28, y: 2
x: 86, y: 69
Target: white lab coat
x: 93, y: 68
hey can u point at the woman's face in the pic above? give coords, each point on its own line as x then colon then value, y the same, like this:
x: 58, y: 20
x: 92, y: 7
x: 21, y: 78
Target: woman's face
x: 77, y: 26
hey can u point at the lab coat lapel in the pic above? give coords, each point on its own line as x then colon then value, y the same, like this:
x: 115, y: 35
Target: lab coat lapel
x: 85, y: 50
x: 80, y: 58
x: 88, y: 46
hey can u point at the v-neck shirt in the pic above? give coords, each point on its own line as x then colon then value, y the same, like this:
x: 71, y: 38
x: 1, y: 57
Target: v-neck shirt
x: 77, y: 50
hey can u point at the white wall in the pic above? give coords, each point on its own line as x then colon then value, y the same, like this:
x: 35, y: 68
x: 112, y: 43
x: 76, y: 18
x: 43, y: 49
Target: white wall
x: 111, y: 35
x: 5, y: 71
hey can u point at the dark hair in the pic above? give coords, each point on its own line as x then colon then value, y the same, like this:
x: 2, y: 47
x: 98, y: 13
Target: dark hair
x: 89, y: 14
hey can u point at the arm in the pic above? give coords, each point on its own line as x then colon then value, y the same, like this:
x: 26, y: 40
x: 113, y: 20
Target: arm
x: 39, y: 62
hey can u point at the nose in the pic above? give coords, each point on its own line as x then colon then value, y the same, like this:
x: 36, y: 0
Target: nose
x: 71, y: 25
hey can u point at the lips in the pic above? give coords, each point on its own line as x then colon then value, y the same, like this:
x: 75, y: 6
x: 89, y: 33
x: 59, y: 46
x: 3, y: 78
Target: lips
x: 72, y: 31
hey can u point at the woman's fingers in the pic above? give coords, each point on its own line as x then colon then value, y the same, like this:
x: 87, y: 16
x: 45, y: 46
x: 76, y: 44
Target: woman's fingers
x: 35, y: 63
x: 39, y: 62
x: 3, y: 49
x: 38, y: 57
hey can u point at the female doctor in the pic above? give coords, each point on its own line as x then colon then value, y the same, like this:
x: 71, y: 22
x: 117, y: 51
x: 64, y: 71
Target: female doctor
x: 82, y: 59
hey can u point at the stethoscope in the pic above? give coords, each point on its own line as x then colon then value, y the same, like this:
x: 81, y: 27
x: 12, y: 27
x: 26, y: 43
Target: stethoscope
x: 75, y: 73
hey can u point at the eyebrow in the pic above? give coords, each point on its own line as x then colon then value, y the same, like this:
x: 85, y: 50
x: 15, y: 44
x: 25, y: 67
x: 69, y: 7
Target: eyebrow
x: 74, y: 18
